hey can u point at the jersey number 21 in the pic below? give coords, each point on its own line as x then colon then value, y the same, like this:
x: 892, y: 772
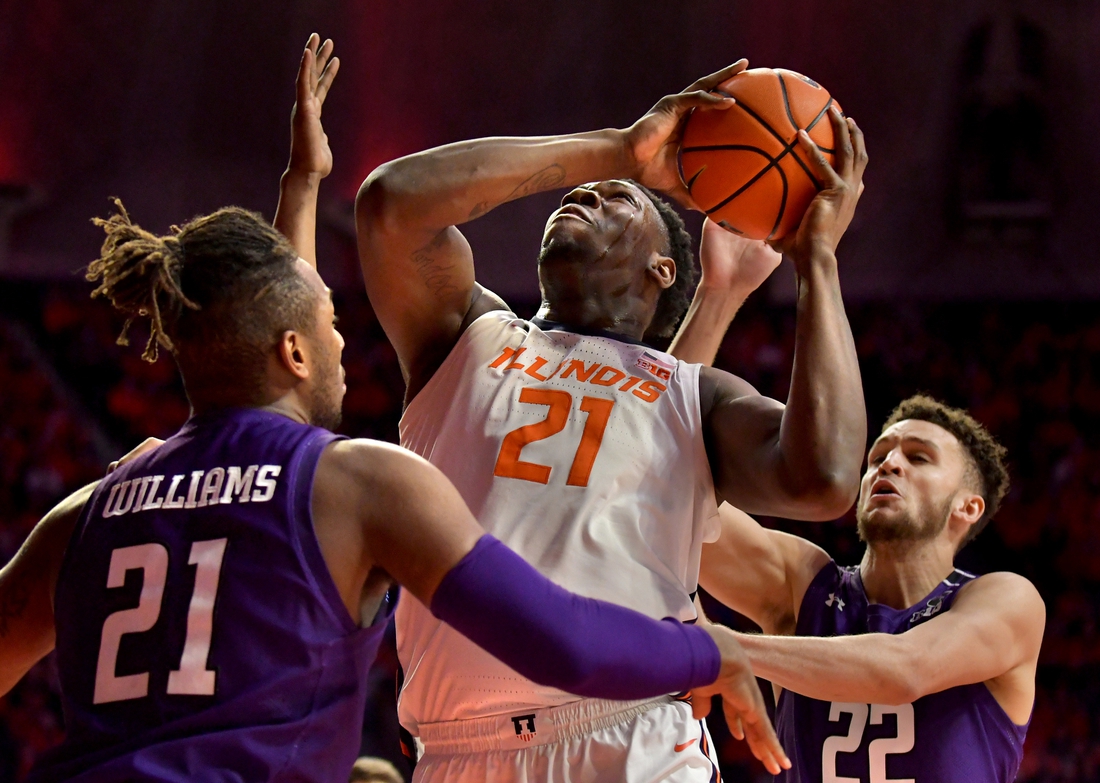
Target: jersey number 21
x: 192, y: 677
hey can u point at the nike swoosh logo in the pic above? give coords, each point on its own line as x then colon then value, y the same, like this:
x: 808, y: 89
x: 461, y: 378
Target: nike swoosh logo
x: 679, y: 748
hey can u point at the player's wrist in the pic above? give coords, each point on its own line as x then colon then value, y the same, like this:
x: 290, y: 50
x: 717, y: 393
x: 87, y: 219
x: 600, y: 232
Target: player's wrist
x: 818, y: 264
x: 627, y: 162
x: 725, y: 298
x: 301, y: 176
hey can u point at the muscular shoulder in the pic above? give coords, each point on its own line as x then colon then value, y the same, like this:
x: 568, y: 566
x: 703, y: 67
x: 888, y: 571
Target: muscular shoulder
x: 359, y: 468
x: 1007, y: 594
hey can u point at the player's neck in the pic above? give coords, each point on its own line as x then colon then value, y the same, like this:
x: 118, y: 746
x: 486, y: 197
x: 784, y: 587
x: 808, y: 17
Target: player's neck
x: 288, y: 406
x: 591, y: 315
x: 899, y: 574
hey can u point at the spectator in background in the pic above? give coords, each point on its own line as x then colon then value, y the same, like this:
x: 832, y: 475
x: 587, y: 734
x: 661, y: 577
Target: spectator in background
x: 368, y: 769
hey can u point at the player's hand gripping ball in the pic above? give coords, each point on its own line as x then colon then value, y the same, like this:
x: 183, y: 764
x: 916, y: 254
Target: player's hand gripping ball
x: 744, y: 166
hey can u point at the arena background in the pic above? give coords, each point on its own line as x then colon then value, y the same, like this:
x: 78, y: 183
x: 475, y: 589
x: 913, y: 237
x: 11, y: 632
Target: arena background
x: 971, y: 271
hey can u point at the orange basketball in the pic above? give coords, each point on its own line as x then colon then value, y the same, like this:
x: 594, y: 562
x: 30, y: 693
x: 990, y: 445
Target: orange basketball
x: 743, y: 166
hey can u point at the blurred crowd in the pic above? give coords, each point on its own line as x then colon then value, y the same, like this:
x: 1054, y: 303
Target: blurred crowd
x: 1030, y: 372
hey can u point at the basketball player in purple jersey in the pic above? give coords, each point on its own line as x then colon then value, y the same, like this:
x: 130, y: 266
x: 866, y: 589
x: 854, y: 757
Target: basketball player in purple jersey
x: 927, y: 672
x: 618, y: 449
x: 216, y: 602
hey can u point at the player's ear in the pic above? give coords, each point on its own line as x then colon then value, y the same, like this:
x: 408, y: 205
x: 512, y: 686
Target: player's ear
x: 662, y: 269
x: 292, y: 352
x: 970, y: 508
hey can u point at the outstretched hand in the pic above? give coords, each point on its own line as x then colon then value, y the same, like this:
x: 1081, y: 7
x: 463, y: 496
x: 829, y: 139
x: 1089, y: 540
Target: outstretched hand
x: 832, y: 209
x: 734, y: 265
x: 309, y: 150
x: 742, y: 702
x: 653, y: 141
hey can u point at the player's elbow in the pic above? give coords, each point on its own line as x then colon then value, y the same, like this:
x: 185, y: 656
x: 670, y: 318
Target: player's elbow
x: 827, y: 495
x: 838, y: 492
x: 379, y: 205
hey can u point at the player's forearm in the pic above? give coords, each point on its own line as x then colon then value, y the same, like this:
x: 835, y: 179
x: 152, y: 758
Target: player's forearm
x: 557, y: 638
x: 869, y: 668
x: 453, y: 184
x: 824, y: 427
x: 296, y: 214
x: 709, y: 316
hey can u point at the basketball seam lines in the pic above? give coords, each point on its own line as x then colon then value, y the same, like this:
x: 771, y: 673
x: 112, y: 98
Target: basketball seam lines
x: 773, y: 162
x: 786, y: 101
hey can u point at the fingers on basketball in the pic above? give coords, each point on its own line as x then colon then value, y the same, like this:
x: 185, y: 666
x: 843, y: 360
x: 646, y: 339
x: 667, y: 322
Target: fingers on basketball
x: 716, y: 78
x: 749, y: 168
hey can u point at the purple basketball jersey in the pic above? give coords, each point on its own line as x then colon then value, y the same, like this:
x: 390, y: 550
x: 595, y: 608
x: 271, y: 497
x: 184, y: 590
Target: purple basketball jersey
x: 960, y: 735
x: 199, y: 633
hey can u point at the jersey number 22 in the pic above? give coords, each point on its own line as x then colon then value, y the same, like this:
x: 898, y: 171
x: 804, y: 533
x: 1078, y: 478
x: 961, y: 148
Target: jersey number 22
x: 877, y: 750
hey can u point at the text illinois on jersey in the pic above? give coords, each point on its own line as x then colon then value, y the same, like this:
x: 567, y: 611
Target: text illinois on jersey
x: 596, y: 373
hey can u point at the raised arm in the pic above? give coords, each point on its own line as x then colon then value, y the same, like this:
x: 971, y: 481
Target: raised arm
x: 414, y: 525
x: 758, y: 572
x: 27, y: 588
x: 418, y: 267
x: 310, y: 156
x: 732, y: 268
x: 991, y: 634
x: 801, y: 460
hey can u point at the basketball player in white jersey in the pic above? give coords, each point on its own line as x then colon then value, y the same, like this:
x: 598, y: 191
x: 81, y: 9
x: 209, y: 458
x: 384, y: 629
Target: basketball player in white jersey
x: 596, y: 457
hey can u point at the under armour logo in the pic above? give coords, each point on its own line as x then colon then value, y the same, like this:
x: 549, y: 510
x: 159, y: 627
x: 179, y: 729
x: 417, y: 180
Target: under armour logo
x: 834, y: 598
x: 519, y: 720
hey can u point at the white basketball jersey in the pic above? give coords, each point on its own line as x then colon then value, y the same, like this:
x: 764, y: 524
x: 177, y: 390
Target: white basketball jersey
x: 585, y: 455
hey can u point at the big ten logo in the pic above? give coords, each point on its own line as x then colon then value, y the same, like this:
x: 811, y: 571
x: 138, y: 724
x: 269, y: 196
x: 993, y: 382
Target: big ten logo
x: 596, y: 374
x: 524, y: 726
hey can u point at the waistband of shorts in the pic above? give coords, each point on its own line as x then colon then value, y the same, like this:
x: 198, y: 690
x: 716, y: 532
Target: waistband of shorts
x: 546, y: 726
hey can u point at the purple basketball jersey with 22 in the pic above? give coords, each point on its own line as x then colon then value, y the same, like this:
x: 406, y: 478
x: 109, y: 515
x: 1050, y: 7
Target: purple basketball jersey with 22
x: 960, y: 735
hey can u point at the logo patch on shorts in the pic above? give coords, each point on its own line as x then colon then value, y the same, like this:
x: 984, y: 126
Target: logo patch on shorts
x: 525, y: 726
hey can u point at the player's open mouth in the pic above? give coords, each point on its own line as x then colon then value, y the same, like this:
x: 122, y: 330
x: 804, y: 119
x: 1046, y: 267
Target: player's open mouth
x: 883, y: 487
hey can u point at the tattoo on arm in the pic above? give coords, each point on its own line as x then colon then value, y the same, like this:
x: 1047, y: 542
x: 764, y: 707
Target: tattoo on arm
x: 547, y: 179
x: 434, y: 271
x: 13, y: 602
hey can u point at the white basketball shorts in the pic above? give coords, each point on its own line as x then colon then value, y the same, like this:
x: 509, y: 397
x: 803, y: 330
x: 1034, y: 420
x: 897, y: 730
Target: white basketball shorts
x: 587, y: 741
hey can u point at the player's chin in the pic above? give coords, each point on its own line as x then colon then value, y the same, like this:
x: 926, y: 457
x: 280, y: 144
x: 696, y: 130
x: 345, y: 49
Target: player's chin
x: 569, y: 243
x: 881, y: 524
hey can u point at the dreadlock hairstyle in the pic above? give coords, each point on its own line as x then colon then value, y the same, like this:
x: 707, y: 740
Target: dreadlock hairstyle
x: 676, y: 298
x: 987, y: 456
x: 218, y: 292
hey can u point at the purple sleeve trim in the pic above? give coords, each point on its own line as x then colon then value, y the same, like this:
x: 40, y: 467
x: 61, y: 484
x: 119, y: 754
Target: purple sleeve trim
x: 563, y: 640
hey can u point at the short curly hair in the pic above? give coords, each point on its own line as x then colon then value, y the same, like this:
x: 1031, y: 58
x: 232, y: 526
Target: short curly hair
x: 987, y: 456
x: 675, y: 299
